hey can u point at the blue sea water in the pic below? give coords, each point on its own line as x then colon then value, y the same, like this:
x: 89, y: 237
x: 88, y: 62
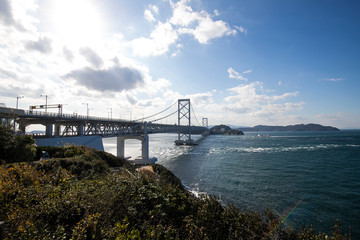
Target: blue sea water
x: 305, y: 177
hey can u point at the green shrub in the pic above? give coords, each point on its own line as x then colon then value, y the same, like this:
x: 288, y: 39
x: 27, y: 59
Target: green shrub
x: 113, y: 161
x: 167, y: 177
x: 16, y: 148
x: 81, y: 166
x: 50, y: 150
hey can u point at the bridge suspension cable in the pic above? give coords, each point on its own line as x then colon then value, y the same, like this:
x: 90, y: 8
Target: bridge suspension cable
x: 165, y: 116
x: 161, y: 118
x: 153, y: 115
x: 195, y: 115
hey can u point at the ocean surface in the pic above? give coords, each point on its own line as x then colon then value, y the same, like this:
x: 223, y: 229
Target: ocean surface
x: 305, y: 177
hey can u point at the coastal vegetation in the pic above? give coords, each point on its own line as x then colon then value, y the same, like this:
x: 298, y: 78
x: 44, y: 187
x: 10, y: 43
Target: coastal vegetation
x: 15, y: 148
x: 224, y: 130
x: 81, y: 193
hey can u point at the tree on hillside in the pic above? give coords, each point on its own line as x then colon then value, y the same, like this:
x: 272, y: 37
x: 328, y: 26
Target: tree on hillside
x: 15, y: 148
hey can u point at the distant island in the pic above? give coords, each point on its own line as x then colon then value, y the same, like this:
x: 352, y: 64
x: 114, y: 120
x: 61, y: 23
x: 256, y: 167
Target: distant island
x: 299, y: 127
x: 224, y: 130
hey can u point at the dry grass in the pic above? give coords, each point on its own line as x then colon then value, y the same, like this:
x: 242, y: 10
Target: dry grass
x: 147, y: 171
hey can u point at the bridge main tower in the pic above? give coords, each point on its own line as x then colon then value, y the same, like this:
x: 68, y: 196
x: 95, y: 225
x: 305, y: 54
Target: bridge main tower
x: 184, y: 117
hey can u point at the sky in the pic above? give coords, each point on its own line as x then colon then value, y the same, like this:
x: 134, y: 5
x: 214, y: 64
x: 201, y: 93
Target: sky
x: 241, y: 62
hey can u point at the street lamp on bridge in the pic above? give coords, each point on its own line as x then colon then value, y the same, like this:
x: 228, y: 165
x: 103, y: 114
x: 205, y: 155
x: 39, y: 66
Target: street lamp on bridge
x: 110, y: 113
x: 46, y: 96
x: 17, y: 101
x: 87, y: 109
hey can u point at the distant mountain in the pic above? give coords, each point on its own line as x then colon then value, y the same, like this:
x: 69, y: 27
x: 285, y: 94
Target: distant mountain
x: 299, y: 127
x: 37, y: 132
x: 224, y: 130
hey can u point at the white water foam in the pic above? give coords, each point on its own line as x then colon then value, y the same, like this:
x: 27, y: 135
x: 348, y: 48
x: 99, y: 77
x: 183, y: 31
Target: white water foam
x: 215, y: 151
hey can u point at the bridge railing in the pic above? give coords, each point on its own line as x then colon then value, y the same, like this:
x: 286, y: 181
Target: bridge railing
x: 30, y: 113
x: 106, y: 126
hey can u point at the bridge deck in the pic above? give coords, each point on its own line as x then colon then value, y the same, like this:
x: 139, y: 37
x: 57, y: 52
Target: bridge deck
x: 58, y: 125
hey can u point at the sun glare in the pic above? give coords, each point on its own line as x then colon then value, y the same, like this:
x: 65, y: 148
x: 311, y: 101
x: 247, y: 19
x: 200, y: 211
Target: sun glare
x: 77, y: 21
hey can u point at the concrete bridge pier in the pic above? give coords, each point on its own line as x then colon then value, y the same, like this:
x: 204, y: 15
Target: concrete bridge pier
x: 145, y: 147
x: 120, y: 145
x: 57, y: 130
x: 49, y: 129
x: 22, y: 127
x: 80, y: 129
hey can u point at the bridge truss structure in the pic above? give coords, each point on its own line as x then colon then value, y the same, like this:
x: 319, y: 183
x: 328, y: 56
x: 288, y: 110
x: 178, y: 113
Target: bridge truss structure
x: 66, y: 125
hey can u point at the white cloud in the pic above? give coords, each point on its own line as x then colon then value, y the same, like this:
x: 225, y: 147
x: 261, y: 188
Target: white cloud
x: 343, y: 120
x: 172, y: 96
x: 152, y: 87
x: 204, y: 29
x: 183, y: 14
x: 275, y: 109
x: 178, y: 47
x: 245, y: 99
x: 200, y: 99
x: 235, y: 75
x: 159, y: 42
x: 154, y: 8
x: 285, y: 95
x: 247, y: 71
x: 333, y: 79
x: 184, y: 20
x: 209, y: 29
x: 149, y: 16
x: 241, y: 29
x: 245, y: 94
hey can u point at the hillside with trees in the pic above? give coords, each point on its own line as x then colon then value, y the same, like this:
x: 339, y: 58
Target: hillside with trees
x: 224, y: 130
x: 299, y: 127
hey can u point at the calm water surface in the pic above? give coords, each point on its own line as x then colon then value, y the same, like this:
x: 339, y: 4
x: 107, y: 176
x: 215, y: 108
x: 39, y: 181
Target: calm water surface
x: 318, y: 172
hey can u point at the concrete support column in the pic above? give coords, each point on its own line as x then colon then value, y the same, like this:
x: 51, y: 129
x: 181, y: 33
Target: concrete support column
x: 145, y: 147
x: 80, y: 130
x: 57, y: 129
x: 120, y: 147
x: 22, y: 127
x: 49, y: 129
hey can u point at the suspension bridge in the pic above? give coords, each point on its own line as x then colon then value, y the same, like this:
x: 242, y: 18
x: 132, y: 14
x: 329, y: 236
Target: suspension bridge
x: 84, y: 130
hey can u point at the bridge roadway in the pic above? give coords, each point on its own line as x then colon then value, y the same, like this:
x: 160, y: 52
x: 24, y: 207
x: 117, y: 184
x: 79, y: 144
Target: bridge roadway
x: 61, y: 125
